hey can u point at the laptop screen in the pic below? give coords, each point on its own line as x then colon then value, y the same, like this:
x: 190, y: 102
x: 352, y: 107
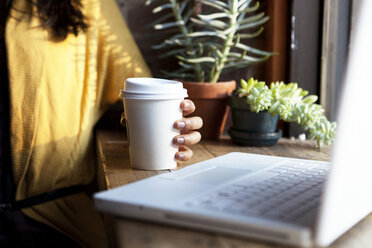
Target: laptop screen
x: 347, y: 196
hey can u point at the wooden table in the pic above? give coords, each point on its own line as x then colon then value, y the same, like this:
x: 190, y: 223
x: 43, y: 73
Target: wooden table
x: 114, y: 170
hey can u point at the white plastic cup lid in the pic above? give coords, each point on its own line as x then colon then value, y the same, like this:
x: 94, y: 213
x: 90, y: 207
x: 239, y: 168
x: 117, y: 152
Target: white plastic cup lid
x: 153, y: 89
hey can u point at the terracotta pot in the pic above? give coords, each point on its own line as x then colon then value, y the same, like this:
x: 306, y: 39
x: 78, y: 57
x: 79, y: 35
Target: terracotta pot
x: 211, y: 105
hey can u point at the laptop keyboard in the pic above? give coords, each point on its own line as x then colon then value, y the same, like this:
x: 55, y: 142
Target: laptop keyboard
x: 289, y: 193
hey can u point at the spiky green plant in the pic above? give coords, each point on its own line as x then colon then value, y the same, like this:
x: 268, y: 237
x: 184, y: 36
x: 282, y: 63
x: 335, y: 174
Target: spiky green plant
x: 292, y: 104
x: 207, y: 43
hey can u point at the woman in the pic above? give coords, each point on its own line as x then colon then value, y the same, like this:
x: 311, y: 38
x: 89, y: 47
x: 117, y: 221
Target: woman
x: 62, y: 63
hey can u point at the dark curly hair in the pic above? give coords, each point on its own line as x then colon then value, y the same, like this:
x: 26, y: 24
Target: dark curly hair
x: 61, y: 17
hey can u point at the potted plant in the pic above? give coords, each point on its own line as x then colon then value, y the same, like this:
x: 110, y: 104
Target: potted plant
x: 287, y: 102
x: 206, y: 44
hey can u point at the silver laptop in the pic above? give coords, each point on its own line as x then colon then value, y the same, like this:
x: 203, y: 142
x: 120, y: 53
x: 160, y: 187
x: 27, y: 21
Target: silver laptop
x: 285, y: 200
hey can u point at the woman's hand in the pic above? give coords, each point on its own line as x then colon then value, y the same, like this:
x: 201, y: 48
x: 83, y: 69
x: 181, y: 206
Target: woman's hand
x: 187, y: 136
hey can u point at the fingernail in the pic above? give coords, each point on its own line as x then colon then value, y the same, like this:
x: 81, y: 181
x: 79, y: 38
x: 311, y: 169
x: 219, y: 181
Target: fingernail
x: 180, y: 140
x: 180, y: 156
x: 186, y: 104
x: 181, y: 124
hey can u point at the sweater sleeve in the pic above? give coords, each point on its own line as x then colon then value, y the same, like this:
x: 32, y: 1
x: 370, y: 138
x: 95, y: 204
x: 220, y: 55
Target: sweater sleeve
x: 119, y: 55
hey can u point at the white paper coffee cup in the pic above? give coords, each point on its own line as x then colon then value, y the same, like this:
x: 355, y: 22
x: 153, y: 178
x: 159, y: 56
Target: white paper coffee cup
x: 151, y: 106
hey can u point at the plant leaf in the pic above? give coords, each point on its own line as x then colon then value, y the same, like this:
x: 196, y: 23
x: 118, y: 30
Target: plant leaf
x: 243, y: 84
x: 182, y: 7
x: 162, y: 7
x: 233, y: 57
x: 188, y: 15
x: 220, y: 3
x: 212, y: 23
x: 251, y: 82
x: 274, y: 108
x: 218, y: 53
x: 148, y: 2
x: 207, y: 33
x: 214, y: 16
x: 252, y: 18
x: 214, y: 5
x: 310, y: 99
x: 254, y: 24
x: 197, y: 60
x: 168, y: 25
x: 242, y: 5
x: 184, y: 65
x: 251, y: 9
x: 171, y: 42
x: 252, y: 50
x: 212, y: 44
x: 246, y: 62
x: 252, y: 35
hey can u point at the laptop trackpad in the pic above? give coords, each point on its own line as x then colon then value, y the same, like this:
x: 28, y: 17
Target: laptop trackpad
x: 216, y: 175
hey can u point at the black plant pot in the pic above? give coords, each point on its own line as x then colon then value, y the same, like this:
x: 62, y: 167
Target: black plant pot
x: 250, y: 128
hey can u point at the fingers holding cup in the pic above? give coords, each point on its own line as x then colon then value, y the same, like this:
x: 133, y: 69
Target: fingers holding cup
x: 191, y: 123
x: 184, y: 153
x: 186, y: 127
x: 189, y: 138
x: 187, y: 107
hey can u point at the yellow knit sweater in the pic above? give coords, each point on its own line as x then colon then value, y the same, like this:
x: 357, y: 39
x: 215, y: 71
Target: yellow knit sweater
x: 58, y: 91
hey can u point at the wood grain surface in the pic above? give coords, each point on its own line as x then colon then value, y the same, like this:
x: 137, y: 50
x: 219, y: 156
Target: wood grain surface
x: 114, y: 170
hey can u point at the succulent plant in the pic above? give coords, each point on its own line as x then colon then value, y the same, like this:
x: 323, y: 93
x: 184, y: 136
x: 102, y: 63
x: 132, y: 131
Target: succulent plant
x: 207, y: 43
x: 292, y: 104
